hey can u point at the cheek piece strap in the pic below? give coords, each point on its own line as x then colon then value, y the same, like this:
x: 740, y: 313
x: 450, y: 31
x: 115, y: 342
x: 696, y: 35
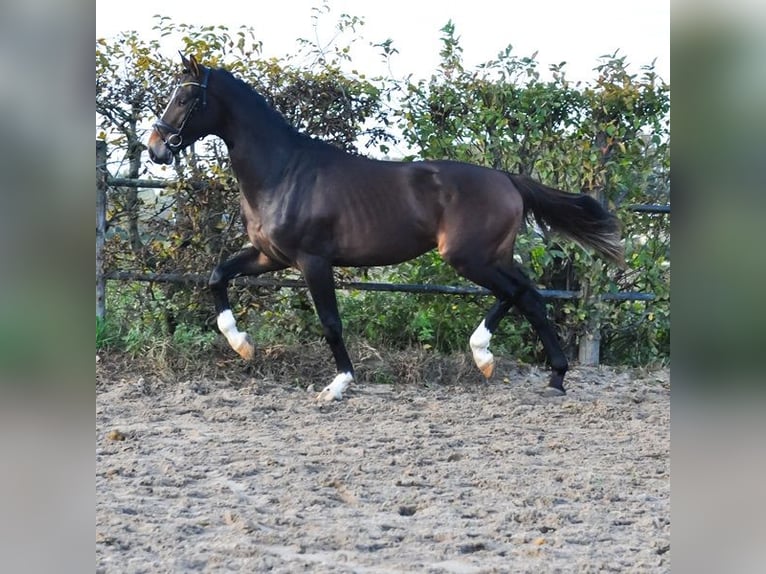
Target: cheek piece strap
x: 170, y: 135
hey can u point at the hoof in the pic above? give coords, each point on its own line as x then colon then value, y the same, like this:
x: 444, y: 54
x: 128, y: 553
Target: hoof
x: 488, y: 369
x: 553, y: 392
x: 556, y: 384
x: 327, y: 396
x: 334, y: 391
x: 246, y: 349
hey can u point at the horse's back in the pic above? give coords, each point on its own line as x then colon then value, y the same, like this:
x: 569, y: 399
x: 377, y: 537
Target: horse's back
x: 358, y: 211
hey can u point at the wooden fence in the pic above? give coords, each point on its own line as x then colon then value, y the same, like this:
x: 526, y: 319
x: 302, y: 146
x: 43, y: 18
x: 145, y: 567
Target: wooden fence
x: 589, y: 344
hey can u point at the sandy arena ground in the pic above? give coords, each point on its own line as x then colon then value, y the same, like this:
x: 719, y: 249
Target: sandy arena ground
x: 214, y: 475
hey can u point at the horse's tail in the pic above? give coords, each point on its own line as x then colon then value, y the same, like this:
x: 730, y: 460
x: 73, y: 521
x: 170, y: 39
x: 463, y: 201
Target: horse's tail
x: 578, y: 217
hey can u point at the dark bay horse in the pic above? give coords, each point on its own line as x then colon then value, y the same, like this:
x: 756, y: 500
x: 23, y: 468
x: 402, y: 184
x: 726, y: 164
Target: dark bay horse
x: 311, y: 206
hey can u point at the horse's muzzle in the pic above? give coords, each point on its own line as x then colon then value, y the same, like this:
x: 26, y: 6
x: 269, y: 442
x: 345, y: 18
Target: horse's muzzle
x: 159, y: 152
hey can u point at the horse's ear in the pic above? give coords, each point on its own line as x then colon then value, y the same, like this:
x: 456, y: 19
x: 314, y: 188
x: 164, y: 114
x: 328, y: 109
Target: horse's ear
x: 194, y: 66
x: 190, y: 64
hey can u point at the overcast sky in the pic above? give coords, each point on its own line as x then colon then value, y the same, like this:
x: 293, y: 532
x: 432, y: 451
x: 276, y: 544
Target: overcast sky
x: 577, y: 32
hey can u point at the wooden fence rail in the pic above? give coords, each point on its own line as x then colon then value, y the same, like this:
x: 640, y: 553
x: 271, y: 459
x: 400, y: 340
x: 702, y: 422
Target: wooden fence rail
x: 198, y: 279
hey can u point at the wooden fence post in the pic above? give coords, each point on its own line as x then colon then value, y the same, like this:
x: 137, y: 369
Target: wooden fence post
x: 590, y: 343
x: 100, y: 227
x: 590, y: 340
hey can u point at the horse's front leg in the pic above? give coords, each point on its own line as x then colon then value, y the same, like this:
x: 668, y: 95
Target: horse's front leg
x: 249, y: 261
x: 318, y: 275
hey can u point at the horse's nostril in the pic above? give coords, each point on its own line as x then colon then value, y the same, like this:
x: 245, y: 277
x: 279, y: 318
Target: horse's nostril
x: 160, y: 156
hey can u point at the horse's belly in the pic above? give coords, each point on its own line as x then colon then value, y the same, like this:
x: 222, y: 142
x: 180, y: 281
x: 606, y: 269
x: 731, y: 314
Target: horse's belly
x: 388, y: 251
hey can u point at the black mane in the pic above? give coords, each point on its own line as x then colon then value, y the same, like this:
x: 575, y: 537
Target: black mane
x: 267, y: 112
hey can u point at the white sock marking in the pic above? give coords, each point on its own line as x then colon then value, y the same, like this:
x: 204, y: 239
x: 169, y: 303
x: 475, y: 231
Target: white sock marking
x: 334, y: 391
x: 479, y: 342
x: 228, y: 327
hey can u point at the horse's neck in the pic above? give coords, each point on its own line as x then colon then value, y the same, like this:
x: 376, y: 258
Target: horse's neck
x: 257, y: 156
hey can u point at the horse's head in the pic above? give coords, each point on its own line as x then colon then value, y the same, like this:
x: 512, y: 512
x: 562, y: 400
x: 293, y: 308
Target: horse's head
x: 183, y: 121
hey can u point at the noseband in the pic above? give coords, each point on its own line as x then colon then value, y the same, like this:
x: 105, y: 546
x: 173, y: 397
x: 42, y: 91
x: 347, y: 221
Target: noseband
x: 170, y: 135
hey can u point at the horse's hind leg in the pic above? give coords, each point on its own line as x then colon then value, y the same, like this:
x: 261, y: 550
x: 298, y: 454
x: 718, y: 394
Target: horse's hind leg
x: 249, y: 261
x: 479, y: 341
x: 511, y: 287
x: 531, y: 304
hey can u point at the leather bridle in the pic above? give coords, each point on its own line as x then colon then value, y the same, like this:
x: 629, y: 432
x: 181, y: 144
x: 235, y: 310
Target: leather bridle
x: 171, y: 136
